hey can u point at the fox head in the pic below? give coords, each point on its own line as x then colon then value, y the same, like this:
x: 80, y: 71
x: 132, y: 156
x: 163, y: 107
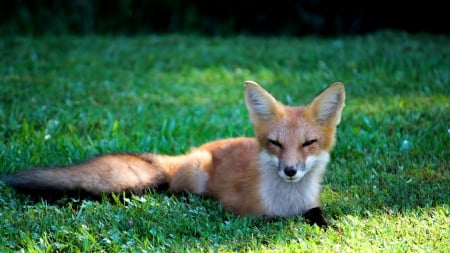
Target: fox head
x: 295, y: 140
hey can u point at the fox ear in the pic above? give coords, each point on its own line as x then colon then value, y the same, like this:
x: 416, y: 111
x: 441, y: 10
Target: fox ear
x: 260, y: 104
x: 327, y: 107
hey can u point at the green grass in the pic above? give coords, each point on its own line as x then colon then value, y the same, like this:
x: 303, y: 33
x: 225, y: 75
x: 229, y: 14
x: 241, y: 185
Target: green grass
x: 65, y: 99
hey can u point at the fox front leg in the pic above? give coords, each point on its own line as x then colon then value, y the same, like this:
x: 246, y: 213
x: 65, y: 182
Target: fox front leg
x: 316, y: 216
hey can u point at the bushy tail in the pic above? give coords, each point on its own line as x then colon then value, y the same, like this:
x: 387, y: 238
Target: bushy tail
x: 102, y: 175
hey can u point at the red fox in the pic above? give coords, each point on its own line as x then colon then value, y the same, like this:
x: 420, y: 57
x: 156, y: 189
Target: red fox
x: 276, y: 174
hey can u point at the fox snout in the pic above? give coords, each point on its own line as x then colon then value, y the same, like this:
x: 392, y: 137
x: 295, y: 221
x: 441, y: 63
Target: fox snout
x: 292, y: 173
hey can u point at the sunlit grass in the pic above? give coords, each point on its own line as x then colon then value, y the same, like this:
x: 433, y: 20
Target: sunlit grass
x: 65, y: 99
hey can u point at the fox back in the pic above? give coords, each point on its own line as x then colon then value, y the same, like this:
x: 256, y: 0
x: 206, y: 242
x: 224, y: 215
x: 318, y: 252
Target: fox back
x: 276, y: 173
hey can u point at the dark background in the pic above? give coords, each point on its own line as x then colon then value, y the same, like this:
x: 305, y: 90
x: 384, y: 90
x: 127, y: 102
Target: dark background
x: 289, y: 18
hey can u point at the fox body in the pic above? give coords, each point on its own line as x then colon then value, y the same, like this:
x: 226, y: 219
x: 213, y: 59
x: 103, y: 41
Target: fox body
x: 277, y: 173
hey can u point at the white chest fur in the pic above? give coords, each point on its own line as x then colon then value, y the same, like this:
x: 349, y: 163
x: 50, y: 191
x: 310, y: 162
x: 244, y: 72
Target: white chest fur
x: 287, y: 199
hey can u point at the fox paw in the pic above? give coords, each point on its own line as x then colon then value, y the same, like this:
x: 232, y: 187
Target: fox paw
x: 315, y: 216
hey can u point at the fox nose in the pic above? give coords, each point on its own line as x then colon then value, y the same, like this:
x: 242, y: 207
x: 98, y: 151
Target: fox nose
x: 290, y: 171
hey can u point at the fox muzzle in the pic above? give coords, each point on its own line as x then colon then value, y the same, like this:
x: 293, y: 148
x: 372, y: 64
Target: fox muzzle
x: 292, y: 174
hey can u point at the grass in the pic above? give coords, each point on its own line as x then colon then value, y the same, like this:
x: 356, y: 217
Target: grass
x: 65, y: 99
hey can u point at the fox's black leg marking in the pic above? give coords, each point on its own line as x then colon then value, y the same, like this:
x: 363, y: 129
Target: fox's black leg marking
x: 315, y: 216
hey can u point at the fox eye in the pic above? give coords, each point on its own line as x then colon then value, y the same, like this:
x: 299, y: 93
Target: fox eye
x: 275, y: 143
x: 308, y: 143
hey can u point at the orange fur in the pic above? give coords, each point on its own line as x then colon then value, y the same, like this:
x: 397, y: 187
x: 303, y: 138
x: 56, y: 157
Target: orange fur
x: 277, y: 173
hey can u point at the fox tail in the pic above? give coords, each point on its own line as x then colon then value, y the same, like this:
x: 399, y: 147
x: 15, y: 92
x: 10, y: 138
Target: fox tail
x: 102, y: 175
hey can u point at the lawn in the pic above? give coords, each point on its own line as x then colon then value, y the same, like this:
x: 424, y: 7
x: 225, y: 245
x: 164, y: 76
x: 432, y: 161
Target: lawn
x: 65, y: 99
